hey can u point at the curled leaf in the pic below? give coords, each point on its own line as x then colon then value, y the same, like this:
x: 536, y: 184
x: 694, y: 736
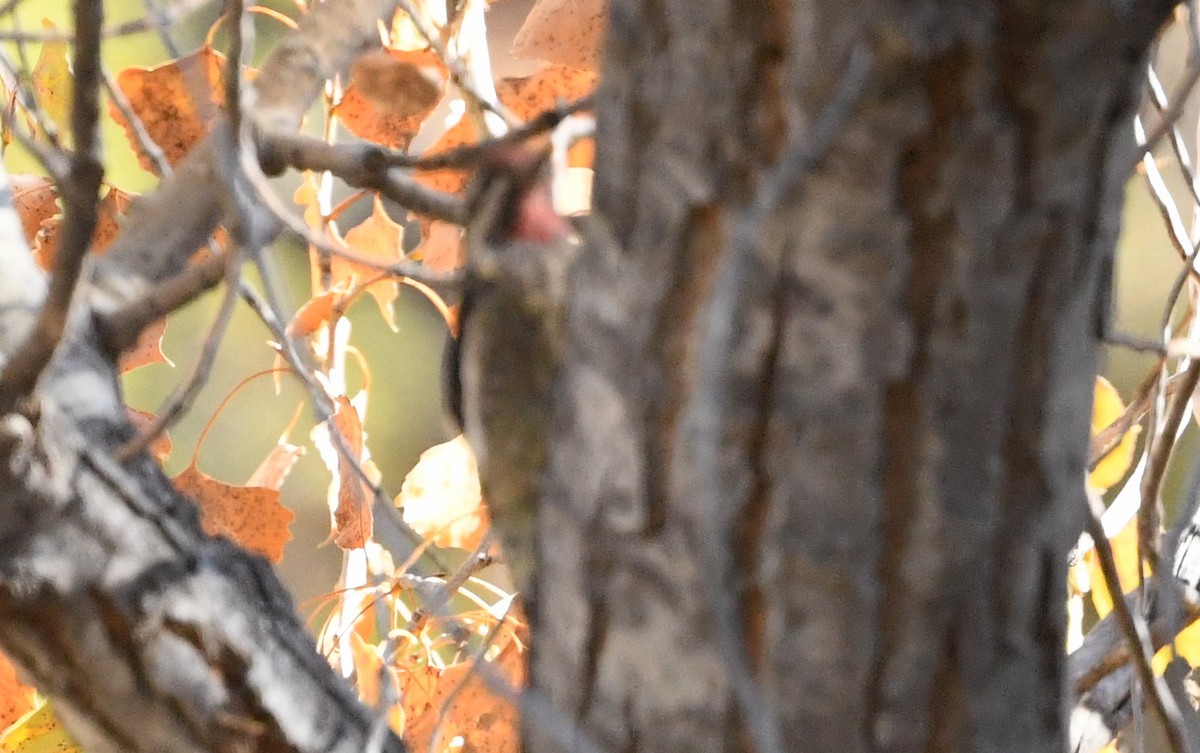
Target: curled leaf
x: 350, y: 499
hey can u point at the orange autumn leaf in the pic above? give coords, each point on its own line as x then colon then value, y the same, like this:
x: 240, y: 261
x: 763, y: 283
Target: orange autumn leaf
x: 109, y: 212
x: 35, y: 200
x: 484, y: 721
x: 378, y: 238
x: 250, y: 516
x: 391, y: 92
x: 147, y: 349
x: 567, y: 32
x: 352, y: 521
x: 368, y: 672
x: 16, y: 699
x: 114, y: 205
x: 525, y: 97
x: 315, y: 313
x: 160, y: 448
x: 442, y: 248
x: 440, y: 496
x: 1106, y: 408
x: 178, y: 102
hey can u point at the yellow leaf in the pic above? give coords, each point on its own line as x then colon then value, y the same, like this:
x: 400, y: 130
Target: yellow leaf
x: 39, y: 731
x: 1106, y: 408
x: 52, y: 80
x: 1124, y: 546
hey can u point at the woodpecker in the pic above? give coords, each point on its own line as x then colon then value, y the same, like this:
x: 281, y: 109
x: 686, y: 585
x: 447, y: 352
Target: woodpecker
x: 501, y: 371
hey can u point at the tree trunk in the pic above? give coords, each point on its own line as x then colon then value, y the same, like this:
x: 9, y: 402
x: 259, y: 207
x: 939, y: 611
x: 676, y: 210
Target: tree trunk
x: 849, y: 531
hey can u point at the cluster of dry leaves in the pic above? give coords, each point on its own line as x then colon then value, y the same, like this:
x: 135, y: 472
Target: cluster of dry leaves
x: 425, y: 667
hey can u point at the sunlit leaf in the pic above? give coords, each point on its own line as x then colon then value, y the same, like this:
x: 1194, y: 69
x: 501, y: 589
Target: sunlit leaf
x: 391, y: 92
x: 369, y: 671
x: 160, y: 448
x: 109, y: 213
x: 53, y: 82
x: 484, y: 721
x: 35, y: 200
x: 440, y: 496
x: 1124, y: 546
x: 352, y: 521
x: 442, y: 248
x: 39, y: 731
x: 525, y: 97
x: 16, y: 698
x: 274, y: 469
x: 147, y: 349
x: 567, y: 32
x: 377, y: 238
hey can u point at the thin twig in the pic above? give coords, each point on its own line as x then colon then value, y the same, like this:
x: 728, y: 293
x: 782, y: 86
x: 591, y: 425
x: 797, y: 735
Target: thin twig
x: 148, y: 146
x: 359, y: 165
x: 80, y: 195
x: 185, y: 394
x: 1137, y: 635
x: 405, y: 268
x: 1175, y: 110
x: 1160, y: 446
x: 479, y: 94
x: 120, y: 328
x: 1158, y: 97
x: 1107, y: 439
x: 323, y: 407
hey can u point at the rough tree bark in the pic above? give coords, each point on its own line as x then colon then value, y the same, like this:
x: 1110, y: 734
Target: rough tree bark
x: 885, y: 469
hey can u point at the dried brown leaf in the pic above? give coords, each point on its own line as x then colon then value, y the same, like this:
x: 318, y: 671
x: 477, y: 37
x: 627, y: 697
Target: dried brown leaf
x: 178, y: 102
x: 251, y: 516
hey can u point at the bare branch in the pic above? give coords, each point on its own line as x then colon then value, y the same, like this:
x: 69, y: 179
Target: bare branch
x: 80, y: 196
x: 363, y: 166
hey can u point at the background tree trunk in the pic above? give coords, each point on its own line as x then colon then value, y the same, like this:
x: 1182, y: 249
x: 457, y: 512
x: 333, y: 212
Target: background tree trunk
x: 857, y: 539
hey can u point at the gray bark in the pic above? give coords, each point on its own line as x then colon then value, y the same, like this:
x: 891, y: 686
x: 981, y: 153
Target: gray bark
x: 903, y: 417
